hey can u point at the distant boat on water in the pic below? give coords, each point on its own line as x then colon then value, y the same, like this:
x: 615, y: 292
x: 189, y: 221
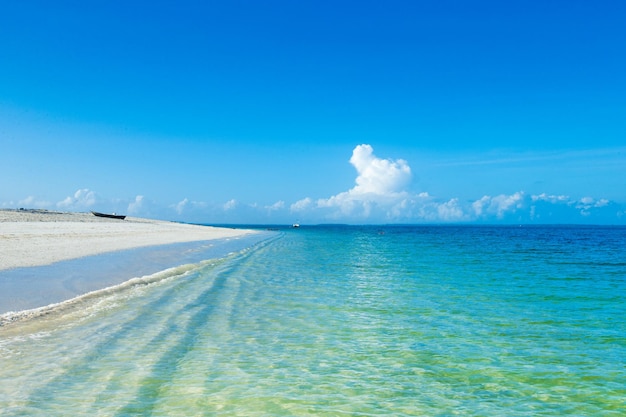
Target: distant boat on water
x: 110, y: 216
x: 295, y: 225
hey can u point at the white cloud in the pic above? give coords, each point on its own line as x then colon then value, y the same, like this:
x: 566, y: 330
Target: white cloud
x: 135, y: 206
x: 230, y: 205
x: 451, y: 211
x: 505, y: 203
x: 586, y: 200
x: 378, y: 176
x: 602, y: 203
x: 499, y: 205
x: 180, y: 206
x: 276, y: 206
x: 32, y: 202
x: 479, y: 205
x: 301, y: 205
x: 379, y: 187
x: 585, y: 204
x: 83, y: 198
x: 186, y: 206
x: 550, y: 198
x: 66, y: 203
x: 28, y: 202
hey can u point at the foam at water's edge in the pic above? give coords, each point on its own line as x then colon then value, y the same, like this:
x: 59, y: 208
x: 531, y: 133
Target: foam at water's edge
x: 14, y: 316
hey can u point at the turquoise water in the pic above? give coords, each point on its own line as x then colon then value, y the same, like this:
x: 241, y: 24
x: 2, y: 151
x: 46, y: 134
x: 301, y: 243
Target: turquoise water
x: 345, y: 321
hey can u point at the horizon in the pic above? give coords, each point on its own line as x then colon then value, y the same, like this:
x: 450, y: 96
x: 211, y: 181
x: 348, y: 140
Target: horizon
x: 317, y: 112
x: 305, y: 225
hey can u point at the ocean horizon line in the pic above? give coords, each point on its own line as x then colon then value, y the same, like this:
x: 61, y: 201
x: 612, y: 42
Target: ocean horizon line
x: 507, y: 225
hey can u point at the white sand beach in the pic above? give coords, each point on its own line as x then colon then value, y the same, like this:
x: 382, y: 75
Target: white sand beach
x: 38, y: 237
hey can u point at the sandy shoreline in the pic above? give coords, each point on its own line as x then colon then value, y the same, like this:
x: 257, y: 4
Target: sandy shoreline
x: 36, y: 237
x: 51, y: 257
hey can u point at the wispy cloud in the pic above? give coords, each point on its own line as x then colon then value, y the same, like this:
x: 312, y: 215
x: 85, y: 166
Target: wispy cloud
x: 601, y: 156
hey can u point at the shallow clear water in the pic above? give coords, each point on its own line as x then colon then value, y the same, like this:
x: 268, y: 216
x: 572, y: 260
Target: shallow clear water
x: 359, y: 321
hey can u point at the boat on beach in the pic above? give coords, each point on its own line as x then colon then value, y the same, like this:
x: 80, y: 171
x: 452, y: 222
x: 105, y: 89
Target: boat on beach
x: 110, y: 216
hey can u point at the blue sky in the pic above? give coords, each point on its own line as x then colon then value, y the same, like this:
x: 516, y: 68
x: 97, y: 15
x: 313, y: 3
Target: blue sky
x: 316, y: 111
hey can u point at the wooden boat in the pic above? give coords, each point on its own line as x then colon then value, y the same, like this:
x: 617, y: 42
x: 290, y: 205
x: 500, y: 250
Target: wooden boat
x: 110, y: 216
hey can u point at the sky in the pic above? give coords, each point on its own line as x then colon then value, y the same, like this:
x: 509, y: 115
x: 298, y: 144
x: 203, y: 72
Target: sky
x: 358, y: 112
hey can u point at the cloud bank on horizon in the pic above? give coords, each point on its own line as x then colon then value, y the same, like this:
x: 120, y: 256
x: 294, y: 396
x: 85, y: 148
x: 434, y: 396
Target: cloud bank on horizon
x: 381, y: 194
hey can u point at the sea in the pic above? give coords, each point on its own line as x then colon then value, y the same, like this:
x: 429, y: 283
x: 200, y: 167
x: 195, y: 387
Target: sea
x: 340, y: 320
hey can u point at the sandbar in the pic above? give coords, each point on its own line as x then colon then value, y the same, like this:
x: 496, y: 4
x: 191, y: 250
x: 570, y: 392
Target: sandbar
x: 38, y: 237
x: 49, y: 257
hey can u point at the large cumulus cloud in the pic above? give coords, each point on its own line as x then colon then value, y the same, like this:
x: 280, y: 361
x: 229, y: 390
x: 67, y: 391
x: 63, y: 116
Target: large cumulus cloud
x: 379, y: 187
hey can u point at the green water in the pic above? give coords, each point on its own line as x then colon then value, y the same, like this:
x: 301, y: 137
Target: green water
x: 334, y: 321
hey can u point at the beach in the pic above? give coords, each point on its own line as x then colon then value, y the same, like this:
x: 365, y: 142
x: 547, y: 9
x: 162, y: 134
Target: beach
x: 335, y: 320
x: 41, y: 252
